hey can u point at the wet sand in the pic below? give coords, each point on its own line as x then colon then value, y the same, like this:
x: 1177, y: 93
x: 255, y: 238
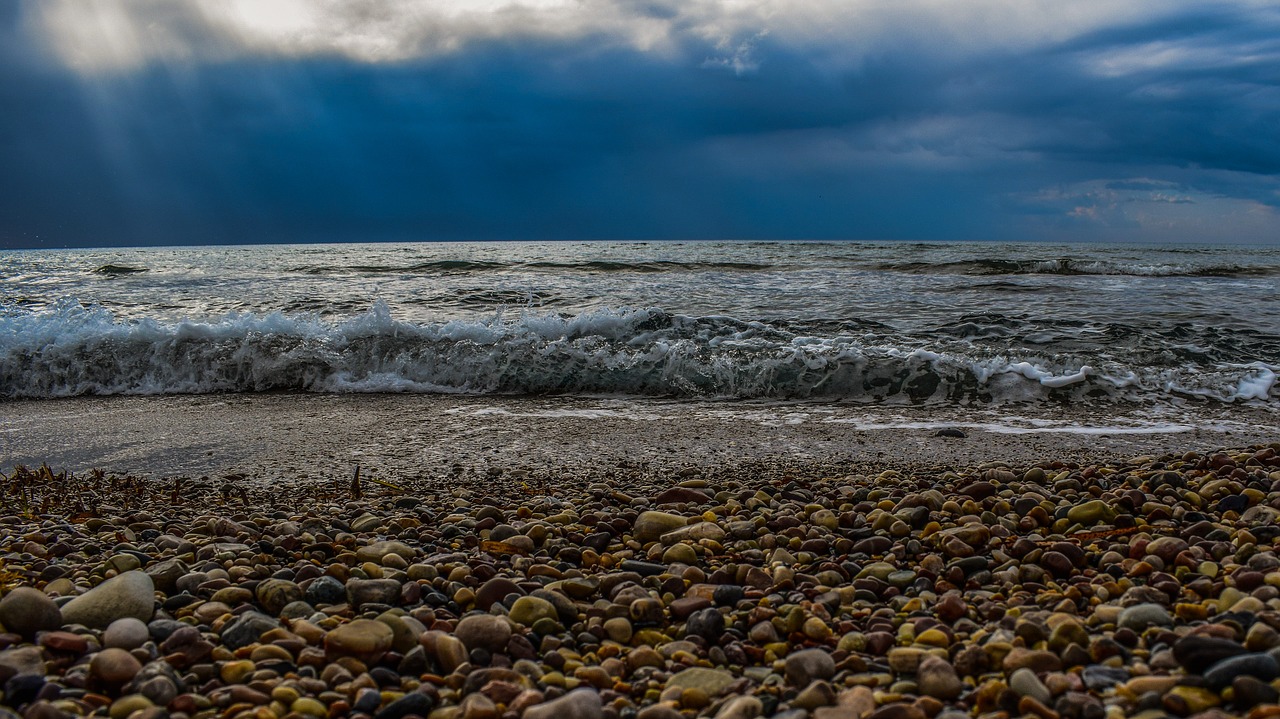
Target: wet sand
x: 274, y: 437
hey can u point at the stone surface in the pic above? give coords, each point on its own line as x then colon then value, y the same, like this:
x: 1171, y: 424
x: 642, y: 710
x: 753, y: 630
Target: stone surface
x: 131, y: 594
x: 114, y: 667
x: 710, y: 681
x: 1141, y: 616
x: 25, y: 611
x: 363, y: 639
x: 275, y: 594
x: 805, y: 666
x: 246, y: 629
x: 937, y: 678
x: 126, y: 633
x: 484, y: 631
x: 577, y: 704
x: 652, y: 524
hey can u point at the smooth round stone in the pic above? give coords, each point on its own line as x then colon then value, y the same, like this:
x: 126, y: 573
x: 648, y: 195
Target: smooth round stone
x: 816, y: 629
x: 159, y: 689
x: 68, y: 642
x: 373, y: 591
x: 232, y: 596
x: 577, y: 704
x: 711, y: 681
x: 804, y: 666
x: 325, y: 591
x: 819, y: 693
x: 126, y: 633
x: 680, y: 554
x: 1140, y: 616
x: 528, y: 610
x: 128, y: 704
x: 484, y: 631
x: 411, y: 704
x: 618, y: 629
x: 247, y: 629
x: 449, y: 652
x: 741, y: 707
x: 309, y: 707
x: 235, y: 672
x: 1258, y: 666
x: 361, y: 638
x: 707, y: 623
x: 651, y: 525
x: 114, y: 666
x: 377, y: 551
x: 131, y: 594
x: 901, y: 578
x: 936, y: 678
x: 26, y: 610
x: 297, y: 610
x: 1025, y: 683
x: 493, y: 591
x: 1091, y: 513
x: 367, y: 523
x: 124, y: 563
x: 275, y: 594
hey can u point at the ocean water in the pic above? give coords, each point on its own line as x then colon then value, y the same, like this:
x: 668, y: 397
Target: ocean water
x: 958, y: 324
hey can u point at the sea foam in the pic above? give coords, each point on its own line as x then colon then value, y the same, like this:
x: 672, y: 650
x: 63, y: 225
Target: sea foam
x: 72, y: 349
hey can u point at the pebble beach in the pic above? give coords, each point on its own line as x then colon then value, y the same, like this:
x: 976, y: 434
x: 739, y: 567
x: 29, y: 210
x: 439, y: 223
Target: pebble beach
x: 1145, y: 586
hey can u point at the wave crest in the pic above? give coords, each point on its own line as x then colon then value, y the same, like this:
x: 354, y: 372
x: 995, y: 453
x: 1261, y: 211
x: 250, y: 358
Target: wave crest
x: 76, y: 350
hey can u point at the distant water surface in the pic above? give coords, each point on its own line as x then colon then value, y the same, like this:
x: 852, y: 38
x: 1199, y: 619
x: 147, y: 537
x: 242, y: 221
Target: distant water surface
x: 886, y: 323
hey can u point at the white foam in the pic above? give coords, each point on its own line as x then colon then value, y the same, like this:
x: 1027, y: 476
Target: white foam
x: 72, y: 349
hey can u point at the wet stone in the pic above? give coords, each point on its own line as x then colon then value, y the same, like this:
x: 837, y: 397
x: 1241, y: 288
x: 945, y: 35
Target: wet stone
x: 126, y: 633
x: 1258, y: 666
x: 484, y: 631
x: 131, y: 594
x: 246, y: 629
x: 25, y: 611
x: 805, y: 666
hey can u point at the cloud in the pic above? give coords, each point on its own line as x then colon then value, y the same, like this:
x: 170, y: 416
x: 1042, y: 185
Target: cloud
x: 208, y: 121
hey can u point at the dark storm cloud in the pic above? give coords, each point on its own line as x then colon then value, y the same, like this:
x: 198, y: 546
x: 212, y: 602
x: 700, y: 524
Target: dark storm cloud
x: 759, y: 134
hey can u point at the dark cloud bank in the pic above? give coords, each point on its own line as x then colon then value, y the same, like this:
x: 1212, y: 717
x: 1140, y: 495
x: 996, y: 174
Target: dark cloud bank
x: 1088, y: 138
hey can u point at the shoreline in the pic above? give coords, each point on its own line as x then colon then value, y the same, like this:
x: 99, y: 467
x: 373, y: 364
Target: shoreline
x: 301, y: 438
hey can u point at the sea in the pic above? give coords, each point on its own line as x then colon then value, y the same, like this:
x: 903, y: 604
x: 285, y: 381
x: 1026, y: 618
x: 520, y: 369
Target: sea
x: 884, y: 323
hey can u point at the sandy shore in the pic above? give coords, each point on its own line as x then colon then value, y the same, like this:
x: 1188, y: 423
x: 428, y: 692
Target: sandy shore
x: 467, y: 439
x: 600, y: 559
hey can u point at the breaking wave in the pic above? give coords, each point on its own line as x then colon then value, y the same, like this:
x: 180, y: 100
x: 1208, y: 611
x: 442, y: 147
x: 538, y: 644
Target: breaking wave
x: 479, y: 266
x: 1068, y: 266
x: 71, y: 349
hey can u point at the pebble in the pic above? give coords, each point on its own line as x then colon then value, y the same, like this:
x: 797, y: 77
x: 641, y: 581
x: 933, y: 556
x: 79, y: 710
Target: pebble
x: 113, y: 666
x: 937, y: 678
x: 1074, y: 590
x: 126, y: 633
x: 577, y: 704
x: 710, y: 681
x: 1141, y: 616
x: 131, y: 594
x: 652, y: 524
x: 25, y: 611
x: 361, y: 638
x: 805, y: 666
x: 528, y: 610
x: 484, y: 631
x: 275, y: 594
x: 1025, y: 683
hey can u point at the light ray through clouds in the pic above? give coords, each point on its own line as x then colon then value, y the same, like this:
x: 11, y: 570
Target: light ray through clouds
x: 148, y: 121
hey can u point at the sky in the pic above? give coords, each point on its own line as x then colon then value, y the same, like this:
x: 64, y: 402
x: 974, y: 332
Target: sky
x: 152, y: 122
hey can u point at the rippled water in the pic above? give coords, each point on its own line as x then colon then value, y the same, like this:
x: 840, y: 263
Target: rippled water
x: 948, y: 323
